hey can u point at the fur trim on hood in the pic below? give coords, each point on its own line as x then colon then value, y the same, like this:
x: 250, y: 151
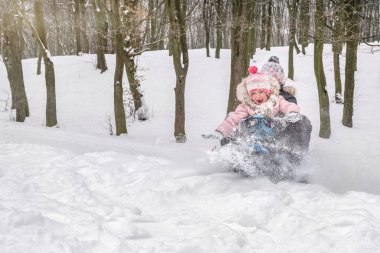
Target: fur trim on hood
x: 265, y: 108
x: 243, y: 96
x: 290, y: 90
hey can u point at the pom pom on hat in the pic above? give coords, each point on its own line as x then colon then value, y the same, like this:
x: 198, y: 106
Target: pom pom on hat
x: 274, y: 59
x: 252, y: 70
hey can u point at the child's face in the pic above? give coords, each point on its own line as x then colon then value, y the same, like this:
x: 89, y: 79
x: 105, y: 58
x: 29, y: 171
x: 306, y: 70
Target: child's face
x: 259, y: 97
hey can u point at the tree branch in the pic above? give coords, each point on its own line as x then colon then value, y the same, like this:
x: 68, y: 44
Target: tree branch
x: 34, y: 31
x: 110, y: 13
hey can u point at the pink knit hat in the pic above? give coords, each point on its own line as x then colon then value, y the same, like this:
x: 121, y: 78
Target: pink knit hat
x: 275, y: 70
x: 258, y: 82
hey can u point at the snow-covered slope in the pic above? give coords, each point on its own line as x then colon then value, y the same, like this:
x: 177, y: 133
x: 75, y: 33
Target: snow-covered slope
x: 75, y: 188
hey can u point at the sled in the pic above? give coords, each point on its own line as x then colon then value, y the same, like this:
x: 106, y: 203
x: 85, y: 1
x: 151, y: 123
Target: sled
x: 258, y: 148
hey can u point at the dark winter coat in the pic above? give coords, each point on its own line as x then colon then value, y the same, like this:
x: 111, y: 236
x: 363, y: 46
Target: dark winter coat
x: 288, y: 96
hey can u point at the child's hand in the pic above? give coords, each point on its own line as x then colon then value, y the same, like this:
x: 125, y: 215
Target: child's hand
x: 266, y: 109
x: 279, y: 123
x: 293, y: 117
x: 215, y: 136
x: 226, y: 140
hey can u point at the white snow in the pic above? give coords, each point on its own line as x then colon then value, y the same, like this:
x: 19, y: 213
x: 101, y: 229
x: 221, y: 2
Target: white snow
x: 75, y: 188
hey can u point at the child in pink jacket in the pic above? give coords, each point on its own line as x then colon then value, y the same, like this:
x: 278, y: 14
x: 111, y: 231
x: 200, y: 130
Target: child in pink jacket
x: 258, y: 94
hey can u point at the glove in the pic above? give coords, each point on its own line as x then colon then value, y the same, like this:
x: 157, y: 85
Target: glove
x: 265, y: 109
x: 226, y: 140
x: 293, y: 117
x: 279, y: 123
x: 215, y: 136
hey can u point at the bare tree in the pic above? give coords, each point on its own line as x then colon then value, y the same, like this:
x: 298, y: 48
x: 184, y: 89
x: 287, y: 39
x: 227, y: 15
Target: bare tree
x: 120, y: 120
x: 177, y: 36
x: 252, y: 43
x: 206, y: 16
x: 292, y: 7
x: 269, y: 26
x: 280, y: 22
x: 324, y: 106
x: 132, y: 22
x: 263, y: 25
x: 227, y: 29
x: 51, y: 110
x: 239, y: 49
x: 83, y: 26
x: 352, y: 11
x: 337, y: 46
x: 304, y: 24
x: 155, y: 25
x: 77, y: 23
x: 12, y: 61
x: 101, y: 33
x: 219, y: 10
x: 57, y: 27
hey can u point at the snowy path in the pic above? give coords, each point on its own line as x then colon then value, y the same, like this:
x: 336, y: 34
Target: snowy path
x: 112, y: 202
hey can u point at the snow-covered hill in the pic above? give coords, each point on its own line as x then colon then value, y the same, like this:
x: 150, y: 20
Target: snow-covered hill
x: 75, y: 188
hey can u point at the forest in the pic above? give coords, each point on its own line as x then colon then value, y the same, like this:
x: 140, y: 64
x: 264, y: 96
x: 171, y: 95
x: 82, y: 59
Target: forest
x: 125, y: 28
x: 105, y: 106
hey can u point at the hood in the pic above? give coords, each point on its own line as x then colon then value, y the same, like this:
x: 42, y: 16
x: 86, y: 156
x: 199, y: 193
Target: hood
x: 243, y: 96
x: 290, y: 90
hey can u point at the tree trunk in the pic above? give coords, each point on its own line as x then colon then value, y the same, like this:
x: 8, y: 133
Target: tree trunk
x: 352, y: 10
x: 219, y: 9
x: 305, y: 24
x: 291, y: 61
x: 324, y: 106
x: 337, y: 50
x: 349, y: 84
x: 51, y: 111
x: 177, y: 37
x: 58, y: 28
x: 152, y: 34
x: 12, y: 61
x: 120, y: 121
x: 226, y: 29
x: 377, y: 24
x: 106, y: 33
x: 163, y: 32
x: 206, y: 22
x: 263, y: 24
x: 292, y: 36
x: 71, y: 47
x: 39, y: 61
x: 251, y: 30
x: 278, y: 16
x: 135, y: 87
x: 239, y: 49
x: 101, y: 33
x: 1, y: 39
x: 20, y: 34
x: 269, y: 26
x: 338, y: 82
x: 77, y: 27
x: 83, y: 27
x: 133, y: 48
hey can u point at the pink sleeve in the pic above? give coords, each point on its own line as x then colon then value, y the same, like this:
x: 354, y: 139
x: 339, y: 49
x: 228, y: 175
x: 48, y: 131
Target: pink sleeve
x: 287, y: 107
x: 232, y: 120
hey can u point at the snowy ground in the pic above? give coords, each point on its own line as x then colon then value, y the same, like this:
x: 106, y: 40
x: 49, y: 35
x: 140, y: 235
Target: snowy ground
x: 75, y: 188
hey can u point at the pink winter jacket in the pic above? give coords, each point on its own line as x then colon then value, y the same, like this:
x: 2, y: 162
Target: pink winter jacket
x: 244, y: 110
